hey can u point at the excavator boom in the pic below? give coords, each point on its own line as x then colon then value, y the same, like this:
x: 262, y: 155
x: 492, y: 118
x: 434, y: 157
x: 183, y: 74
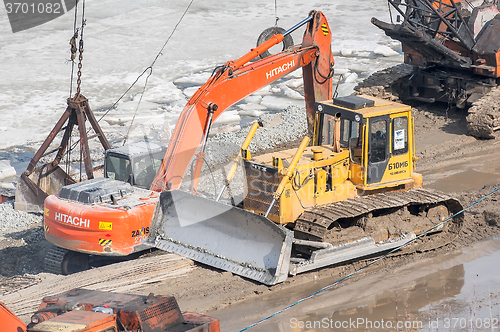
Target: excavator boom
x: 236, y: 80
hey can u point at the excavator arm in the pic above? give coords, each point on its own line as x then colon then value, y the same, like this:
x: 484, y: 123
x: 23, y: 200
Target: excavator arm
x: 237, y: 79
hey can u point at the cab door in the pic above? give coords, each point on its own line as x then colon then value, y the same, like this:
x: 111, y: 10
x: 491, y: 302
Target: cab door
x: 400, y: 166
x: 378, y: 148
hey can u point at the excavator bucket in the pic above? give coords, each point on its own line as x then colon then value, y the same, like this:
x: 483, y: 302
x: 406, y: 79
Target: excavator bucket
x: 32, y: 189
x: 223, y: 236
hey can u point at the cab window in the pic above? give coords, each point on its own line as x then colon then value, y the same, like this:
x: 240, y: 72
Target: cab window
x: 118, y: 168
x: 400, y: 135
x: 145, y: 169
x: 344, y: 129
x: 350, y: 135
x: 355, y: 141
x: 378, y: 141
x: 328, y: 129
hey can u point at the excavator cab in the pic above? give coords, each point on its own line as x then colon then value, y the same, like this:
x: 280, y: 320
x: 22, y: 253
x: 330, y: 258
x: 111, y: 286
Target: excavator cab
x: 136, y: 163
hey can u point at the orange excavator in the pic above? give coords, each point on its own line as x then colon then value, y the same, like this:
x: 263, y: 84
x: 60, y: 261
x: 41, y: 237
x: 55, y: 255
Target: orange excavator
x: 107, y: 217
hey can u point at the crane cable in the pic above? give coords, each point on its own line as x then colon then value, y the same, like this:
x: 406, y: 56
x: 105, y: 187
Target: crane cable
x: 73, y: 55
x: 369, y: 264
x: 150, y: 71
x: 80, y: 51
x: 72, y: 42
x: 276, y: 13
x: 74, y: 50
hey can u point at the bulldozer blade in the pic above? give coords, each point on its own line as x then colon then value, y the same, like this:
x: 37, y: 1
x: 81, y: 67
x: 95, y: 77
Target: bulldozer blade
x: 32, y: 190
x: 223, y: 236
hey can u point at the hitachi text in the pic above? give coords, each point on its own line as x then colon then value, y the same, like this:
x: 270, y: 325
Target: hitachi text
x: 76, y: 221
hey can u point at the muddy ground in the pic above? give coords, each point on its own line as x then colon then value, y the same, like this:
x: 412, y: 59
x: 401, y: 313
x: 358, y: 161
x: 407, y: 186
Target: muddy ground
x: 448, y: 158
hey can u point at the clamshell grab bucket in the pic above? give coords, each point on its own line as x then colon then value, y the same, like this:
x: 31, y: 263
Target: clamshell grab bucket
x: 32, y: 189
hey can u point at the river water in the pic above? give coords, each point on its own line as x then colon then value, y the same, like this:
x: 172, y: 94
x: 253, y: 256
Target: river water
x: 453, y: 292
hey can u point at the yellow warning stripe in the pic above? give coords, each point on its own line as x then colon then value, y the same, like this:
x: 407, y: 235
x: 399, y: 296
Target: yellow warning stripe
x: 324, y: 27
x: 104, y: 242
x: 46, y: 228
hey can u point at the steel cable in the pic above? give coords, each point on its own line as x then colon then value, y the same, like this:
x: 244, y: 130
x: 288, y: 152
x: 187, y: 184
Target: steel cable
x: 75, y: 32
x: 150, y: 69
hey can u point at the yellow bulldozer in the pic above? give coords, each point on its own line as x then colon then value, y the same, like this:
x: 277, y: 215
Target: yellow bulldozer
x: 352, y: 193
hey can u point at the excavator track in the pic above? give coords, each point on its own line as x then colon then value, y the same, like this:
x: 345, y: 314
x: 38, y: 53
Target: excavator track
x: 381, y: 216
x: 63, y: 261
x: 380, y: 84
x: 54, y: 259
x: 484, y: 115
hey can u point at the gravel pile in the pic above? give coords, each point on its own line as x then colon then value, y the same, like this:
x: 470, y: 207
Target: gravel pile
x: 286, y: 126
x: 384, y: 78
x: 12, y: 220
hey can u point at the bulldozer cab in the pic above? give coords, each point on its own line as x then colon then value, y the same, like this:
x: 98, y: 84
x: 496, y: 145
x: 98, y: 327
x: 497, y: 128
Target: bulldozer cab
x: 378, y: 134
x: 136, y: 163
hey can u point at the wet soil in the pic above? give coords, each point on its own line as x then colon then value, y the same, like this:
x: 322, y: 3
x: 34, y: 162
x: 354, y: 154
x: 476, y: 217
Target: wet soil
x: 449, y: 159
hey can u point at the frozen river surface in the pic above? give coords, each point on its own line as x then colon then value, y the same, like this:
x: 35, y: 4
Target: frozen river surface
x: 123, y: 37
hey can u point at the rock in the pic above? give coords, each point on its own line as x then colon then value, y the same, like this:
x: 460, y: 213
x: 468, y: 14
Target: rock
x: 491, y: 218
x: 351, y: 78
x: 386, y: 77
x: 7, y: 185
x: 347, y: 52
x: 224, y: 129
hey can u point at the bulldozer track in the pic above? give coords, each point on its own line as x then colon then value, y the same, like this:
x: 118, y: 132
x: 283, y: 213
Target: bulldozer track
x: 315, y: 222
